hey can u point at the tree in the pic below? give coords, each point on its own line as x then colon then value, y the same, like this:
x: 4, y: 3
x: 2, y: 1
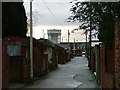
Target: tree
x: 101, y: 16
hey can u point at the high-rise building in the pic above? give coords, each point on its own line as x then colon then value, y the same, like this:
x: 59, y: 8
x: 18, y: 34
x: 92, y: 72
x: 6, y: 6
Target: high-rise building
x: 54, y: 35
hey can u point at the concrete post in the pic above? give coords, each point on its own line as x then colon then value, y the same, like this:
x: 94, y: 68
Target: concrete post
x: 31, y: 43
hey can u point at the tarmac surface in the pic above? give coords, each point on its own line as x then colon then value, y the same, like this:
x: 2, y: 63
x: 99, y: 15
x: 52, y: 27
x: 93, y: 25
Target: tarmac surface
x: 74, y: 75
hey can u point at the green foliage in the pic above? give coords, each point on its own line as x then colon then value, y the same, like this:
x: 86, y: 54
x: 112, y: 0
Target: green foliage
x: 99, y: 16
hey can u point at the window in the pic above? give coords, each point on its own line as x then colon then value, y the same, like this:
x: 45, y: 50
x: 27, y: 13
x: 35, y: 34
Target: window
x: 14, y: 49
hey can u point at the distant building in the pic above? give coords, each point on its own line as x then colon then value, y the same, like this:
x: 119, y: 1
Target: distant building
x: 54, y: 35
x: 78, y: 45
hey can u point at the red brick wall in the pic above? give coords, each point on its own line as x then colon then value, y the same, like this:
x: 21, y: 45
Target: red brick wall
x: 0, y: 64
x: 26, y: 70
x: 108, y: 81
x: 107, y: 78
x: 102, y: 56
x: 93, y: 61
x: 110, y: 61
x: 15, y: 69
x: 117, y: 53
x: 37, y: 62
x: 61, y: 56
x: 5, y: 68
x: 26, y: 67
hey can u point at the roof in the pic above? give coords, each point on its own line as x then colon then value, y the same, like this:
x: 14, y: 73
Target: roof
x: 79, y: 44
x: 64, y: 46
x: 83, y: 44
x: 47, y: 42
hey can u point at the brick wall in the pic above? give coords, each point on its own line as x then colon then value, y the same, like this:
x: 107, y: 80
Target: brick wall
x: 102, y: 64
x: 106, y: 78
x: 5, y: 68
x: 0, y: 64
x: 117, y: 54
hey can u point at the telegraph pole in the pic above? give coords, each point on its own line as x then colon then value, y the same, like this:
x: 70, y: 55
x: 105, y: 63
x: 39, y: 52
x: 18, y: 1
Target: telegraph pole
x: 68, y: 41
x: 86, y: 45
x: 43, y: 34
x: 62, y: 39
x: 31, y: 43
x: 68, y: 44
x: 74, y: 47
x: 90, y: 51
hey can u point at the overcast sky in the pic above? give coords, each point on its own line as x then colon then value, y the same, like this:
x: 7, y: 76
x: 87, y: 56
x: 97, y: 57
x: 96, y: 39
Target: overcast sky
x: 52, y: 14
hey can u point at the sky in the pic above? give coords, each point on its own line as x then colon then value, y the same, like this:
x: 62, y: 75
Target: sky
x: 52, y: 14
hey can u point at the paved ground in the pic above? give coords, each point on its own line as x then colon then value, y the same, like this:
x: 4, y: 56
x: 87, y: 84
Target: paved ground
x: 74, y: 74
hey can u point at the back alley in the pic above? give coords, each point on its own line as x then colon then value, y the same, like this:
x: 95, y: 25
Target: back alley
x: 74, y: 74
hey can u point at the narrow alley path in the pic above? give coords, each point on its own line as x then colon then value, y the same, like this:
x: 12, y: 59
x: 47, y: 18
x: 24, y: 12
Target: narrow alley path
x: 74, y: 74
